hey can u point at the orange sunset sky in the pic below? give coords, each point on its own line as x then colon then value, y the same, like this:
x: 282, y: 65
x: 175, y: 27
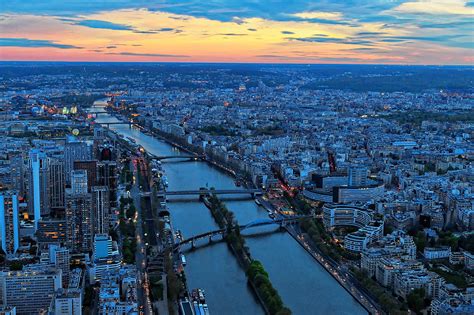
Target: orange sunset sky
x: 379, y: 31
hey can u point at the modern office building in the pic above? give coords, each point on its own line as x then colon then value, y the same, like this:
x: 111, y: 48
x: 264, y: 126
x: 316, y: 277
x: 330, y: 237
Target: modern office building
x: 17, y: 172
x: 103, y: 246
x: 38, y: 198
x: 346, y: 215
x: 100, y: 209
x: 9, y: 226
x: 343, y: 188
x: 56, y: 183
x: 30, y: 292
x: 75, y: 150
x: 107, y: 176
x: 106, y: 258
x: 79, y: 220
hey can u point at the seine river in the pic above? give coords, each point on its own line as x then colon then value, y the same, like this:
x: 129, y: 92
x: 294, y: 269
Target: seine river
x: 305, y: 286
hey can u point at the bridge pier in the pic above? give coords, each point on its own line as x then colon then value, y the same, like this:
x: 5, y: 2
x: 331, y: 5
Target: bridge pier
x: 210, y: 238
x: 193, y: 244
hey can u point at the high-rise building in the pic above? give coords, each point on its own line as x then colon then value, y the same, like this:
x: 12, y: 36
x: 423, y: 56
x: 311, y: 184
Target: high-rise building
x: 75, y: 150
x: 56, y: 183
x: 9, y: 227
x: 107, y: 176
x: 100, y: 209
x: 30, y: 292
x: 102, y: 246
x: 79, y: 220
x: 17, y: 170
x: 38, y: 199
x: 106, y: 258
x: 358, y: 176
x: 79, y: 182
x: 91, y: 168
x: 59, y: 257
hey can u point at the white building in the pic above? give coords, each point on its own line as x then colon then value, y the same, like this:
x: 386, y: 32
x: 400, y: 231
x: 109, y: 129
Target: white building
x: 431, y: 253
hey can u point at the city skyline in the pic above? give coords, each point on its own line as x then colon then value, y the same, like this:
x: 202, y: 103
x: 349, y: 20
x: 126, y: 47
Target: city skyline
x: 382, y: 32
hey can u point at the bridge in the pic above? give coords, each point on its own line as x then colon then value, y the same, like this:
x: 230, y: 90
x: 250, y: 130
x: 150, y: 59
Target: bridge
x: 255, y: 223
x: 201, y: 192
x: 108, y: 124
x: 182, y: 156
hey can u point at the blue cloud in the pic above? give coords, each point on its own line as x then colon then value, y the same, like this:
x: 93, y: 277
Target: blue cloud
x: 104, y: 25
x: 353, y: 12
x: 213, y: 9
x: 33, y: 43
x: 287, y: 32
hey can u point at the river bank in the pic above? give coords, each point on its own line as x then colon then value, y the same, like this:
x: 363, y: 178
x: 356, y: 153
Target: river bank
x: 215, y: 269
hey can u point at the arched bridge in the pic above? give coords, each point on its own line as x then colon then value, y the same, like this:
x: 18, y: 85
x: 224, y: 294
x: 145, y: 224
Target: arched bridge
x: 255, y: 223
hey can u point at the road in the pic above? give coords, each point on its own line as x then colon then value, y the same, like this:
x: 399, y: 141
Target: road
x: 140, y: 255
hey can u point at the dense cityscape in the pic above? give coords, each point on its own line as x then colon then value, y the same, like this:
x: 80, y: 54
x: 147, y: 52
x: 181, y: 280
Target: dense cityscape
x: 135, y: 188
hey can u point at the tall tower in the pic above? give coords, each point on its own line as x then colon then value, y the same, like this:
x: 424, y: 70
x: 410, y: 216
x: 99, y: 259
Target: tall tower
x: 17, y: 171
x: 107, y: 176
x: 100, y: 209
x: 56, y: 183
x: 78, y: 220
x: 9, y: 227
x: 38, y: 199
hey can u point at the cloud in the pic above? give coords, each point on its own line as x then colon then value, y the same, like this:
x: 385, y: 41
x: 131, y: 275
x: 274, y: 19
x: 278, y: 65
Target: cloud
x: 370, y: 34
x: 145, y: 32
x: 287, y: 32
x: 252, y: 29
x: 232, y: 34
x: 104, y: 25
x: 33, y: 43
x: 319, y: 15
x: 149, y: 55
x: 436, y: 7
x: 319, y: 39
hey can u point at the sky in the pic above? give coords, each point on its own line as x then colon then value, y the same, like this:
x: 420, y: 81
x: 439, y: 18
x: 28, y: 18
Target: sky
x: 258, y: 31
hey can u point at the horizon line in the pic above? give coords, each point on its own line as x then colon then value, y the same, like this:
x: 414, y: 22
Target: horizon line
x: 243, y: 63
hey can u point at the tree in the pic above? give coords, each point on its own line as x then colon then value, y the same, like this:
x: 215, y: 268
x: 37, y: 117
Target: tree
x: 16, y: 265
x: 416, y: 300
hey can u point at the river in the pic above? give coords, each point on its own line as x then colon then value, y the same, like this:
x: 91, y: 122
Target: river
x: 304, y: 285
